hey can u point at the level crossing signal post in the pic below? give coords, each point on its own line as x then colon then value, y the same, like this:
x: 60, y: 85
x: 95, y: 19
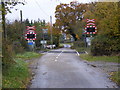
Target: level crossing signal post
x: 90, y: 30
x: 30, y: 37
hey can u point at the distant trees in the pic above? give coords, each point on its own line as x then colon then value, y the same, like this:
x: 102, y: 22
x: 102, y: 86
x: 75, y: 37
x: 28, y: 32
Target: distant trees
x: 68, y: 16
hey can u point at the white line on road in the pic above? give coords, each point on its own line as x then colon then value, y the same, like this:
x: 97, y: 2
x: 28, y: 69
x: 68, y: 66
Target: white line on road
x: 77, y: 53
x: 59, y: 55
x: 86, y: 52
x: 55, y: 60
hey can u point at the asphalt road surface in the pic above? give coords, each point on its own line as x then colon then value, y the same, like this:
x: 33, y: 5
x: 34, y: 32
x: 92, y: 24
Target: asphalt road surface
x: 63, y: 68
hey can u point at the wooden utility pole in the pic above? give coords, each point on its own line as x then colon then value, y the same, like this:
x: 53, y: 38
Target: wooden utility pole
x: 3, y: 20
x: 51, y: 29
x: 21, y: 31
x: 21, y: 16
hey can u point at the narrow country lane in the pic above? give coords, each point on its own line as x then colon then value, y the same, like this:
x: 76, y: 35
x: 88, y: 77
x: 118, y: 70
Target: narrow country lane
x: 62, y: 68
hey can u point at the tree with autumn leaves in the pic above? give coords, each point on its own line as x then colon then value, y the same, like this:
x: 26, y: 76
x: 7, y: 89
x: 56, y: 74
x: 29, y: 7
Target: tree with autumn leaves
x: 70, y: 18
x: 107, y: 39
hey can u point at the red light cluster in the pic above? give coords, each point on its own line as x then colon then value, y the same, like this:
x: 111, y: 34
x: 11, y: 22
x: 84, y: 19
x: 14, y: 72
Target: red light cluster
x: 30, y: 33
x: 90, y: 27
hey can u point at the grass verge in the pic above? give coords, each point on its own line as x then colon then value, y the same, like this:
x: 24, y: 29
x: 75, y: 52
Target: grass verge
x: 28, y: 55
x: 62, y: 44
x: 18, y: 75
x: 89, y: 57
x: 82, y: 49
x: 115, y: 76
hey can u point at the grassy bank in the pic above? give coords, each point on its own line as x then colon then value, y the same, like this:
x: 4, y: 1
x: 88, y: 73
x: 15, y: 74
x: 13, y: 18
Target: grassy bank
x: 100, y: 58
x: 115, y: 76
x: 18, y: 76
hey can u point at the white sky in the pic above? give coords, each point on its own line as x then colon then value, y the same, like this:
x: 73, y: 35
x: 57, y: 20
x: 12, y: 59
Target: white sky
x: 35, y: 9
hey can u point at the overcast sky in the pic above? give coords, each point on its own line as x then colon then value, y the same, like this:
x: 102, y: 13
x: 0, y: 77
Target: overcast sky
x: 35, y: 9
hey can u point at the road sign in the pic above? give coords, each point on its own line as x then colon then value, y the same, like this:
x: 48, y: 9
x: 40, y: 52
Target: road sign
x: 30, y: 34
x: 90, y: 20
x: 45, y: 30
x: 30, y: 28
x: 90, y: 24
x: 30, y: 43
x: 90, y: 27
x: 90, y: 30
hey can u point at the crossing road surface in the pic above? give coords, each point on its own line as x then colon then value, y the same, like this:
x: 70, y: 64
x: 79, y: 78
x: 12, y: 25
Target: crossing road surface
x: 62, y: 68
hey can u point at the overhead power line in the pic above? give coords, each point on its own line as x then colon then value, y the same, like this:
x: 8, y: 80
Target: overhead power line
x: 41, y: 8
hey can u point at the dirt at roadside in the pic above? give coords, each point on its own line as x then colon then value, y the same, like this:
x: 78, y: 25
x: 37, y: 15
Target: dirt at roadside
x: 32, y: 65
x: 106, y: 67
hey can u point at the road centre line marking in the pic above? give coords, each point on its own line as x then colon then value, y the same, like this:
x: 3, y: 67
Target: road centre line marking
x: 77, y: 53
x: 60, y: 53
x: 86, y: 52
x: 55, y: 60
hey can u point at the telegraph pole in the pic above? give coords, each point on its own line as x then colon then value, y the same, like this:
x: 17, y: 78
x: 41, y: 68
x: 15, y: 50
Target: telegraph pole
x: 3, y: 20
x: 51, y: 29
x: 21, y: 16
x: 21, y: 31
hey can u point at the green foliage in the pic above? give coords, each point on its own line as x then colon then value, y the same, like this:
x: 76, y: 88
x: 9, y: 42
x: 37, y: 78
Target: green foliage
x: 79, y: 44
x: 68, y: 17
x: 56, y: 40
x: 28, y: 55
x: 108, y: 36
x: 18, y: 47
x: 17, y: 76
x: 24, y: 45
x: 115, y: 76
x: 15, y: 30
x: 91, y: 58
x: 104, y: 45
x: 7, y: 54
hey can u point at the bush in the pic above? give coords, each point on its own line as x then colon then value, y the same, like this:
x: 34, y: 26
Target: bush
x: 24, y: 44
x: 56, y: 40
x: 18, y: 47
x: 7, y: 53
x: 79, y: 44
x: 104, y: 45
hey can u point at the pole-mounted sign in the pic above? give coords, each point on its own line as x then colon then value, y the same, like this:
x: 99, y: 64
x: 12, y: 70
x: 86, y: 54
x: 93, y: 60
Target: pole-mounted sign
x: 30, y: 33
x: 90, y: 20
x: 30, y: 28
x: 90, y: 27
